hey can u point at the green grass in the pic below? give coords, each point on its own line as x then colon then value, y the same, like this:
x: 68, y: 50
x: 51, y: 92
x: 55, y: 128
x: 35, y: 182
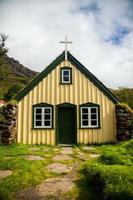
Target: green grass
x: 108, y: 177
x: 111, y: 175
x: 26, y: 173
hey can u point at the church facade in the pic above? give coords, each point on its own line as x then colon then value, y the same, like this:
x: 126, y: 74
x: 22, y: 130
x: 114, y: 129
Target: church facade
x: 66, y: 104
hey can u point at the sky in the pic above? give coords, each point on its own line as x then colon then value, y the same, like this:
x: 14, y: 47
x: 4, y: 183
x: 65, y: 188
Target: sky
x: 101, y: 31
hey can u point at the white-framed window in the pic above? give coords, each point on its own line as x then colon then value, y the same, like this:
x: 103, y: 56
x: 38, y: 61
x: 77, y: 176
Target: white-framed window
x: 66, y: 76
x: 89, y: 117
x: 43, y: 117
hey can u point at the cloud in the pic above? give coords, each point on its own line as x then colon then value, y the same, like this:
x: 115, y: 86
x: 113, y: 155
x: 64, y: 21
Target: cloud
x: 101, y: 31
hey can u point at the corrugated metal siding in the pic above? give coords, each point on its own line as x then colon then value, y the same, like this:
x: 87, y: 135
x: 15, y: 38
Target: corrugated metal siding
x: 49, y: 90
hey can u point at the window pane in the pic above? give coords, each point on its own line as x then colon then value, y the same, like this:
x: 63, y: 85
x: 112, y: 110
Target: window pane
x: 93, y: 110
x: 93, y: 116
x: 38, y: 110
x: 47, y: 116
x: 66, y: 79
x: 38, y: 116
x: 46, y: 123
x: 85, y: 123
x: 84, y: 116
x: 94, y: 123
x: 84, y: 110
x: 38, y: 123
x: 66, y: 72
x: 47, y: 110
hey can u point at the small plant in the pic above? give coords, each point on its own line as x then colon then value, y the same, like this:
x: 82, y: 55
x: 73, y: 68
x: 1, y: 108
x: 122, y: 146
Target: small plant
x: 11, y: 103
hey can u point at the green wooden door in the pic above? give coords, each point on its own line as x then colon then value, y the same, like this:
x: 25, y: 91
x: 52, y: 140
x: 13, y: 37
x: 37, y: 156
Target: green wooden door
x: 66, y: 125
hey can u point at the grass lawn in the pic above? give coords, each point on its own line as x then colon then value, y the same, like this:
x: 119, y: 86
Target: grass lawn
x: 26, y: 173
x: 110, y: 175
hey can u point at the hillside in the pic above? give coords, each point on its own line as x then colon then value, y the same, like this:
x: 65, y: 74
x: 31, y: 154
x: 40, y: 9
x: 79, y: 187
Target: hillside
x: 19, y: 70
x: 13, y: 76
x: 125, y: 95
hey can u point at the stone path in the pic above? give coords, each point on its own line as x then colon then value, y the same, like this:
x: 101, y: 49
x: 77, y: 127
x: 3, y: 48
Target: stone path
x: 88, y: 148
x: 49, y: 189
x: 58, y: 168
x: 93, y: 155
x: 55, y: 187
x: 62, y: 157
x: 67, y: 150
x: 33, y: 157
x: 5, y: 173
x: 82, y: 156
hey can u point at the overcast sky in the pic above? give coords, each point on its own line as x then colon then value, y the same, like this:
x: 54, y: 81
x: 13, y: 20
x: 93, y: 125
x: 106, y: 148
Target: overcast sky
x: 101, y: 31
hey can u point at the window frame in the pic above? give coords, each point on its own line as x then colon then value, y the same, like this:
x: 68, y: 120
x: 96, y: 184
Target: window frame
x: 62, y: 81
x: 89, y: 106
x: 63, y: 76
x: 43, y: 107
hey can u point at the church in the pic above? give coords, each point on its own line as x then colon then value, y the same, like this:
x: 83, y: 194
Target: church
x: 66, y: 104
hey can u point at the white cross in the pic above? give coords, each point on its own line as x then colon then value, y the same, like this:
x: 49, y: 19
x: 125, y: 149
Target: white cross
x: 66, y: 42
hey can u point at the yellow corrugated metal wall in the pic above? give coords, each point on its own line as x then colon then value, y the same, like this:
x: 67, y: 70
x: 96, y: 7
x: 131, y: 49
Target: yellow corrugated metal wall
x: 49, y: 90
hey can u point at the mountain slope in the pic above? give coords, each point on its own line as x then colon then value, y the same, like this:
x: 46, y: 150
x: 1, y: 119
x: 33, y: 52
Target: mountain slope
x: 19, y: 70
x: 13, y: 76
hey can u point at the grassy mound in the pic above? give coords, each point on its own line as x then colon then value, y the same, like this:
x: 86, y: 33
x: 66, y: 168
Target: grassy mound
x: 112, y: 174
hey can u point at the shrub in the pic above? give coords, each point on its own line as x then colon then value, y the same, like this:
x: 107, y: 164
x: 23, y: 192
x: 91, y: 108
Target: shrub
x: 114, y: 182
x: 111, y: 159
x: 128, y: 145
x: 112, y: 173
x: 13, y: 91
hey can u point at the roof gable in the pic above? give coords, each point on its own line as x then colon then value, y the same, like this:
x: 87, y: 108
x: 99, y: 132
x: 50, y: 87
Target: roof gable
x: 78, y: 65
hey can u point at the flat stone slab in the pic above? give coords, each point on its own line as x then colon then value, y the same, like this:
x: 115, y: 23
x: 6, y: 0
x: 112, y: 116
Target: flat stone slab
x: 8, y: 157
x: 62, y: 157
x: 88, y: 148
x: 5, y: 173
x: 34, y: 148
x: 56, y: 149
x: 82, y: 156
x: 27, y: 194
x: 93, y: 155
x: 46, y: 149
x: 51, y: 188
x: 58, y: 168
x: 67, y: 150
x: 54, y: 186
x: 33, y: 157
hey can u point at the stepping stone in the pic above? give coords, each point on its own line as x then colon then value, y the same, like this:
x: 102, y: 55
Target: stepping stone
x: 88, y: 148
x: 54, y: 187
x: 32, y: 157
x: 58, y: 168
x: 45, y: 149
x: 82, y: 156
x: 67, y: 150
x: 51, y: 188
x: 62, y: 157
x: 5, y: 173
x: 27, y: 194
x: 8, y: 157
x: 34, y: 148
x: 56, y: 149
x: 94, y: 155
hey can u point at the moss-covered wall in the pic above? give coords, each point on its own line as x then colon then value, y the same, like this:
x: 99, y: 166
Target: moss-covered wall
x: 124, y: 116
x: 8, y: 124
